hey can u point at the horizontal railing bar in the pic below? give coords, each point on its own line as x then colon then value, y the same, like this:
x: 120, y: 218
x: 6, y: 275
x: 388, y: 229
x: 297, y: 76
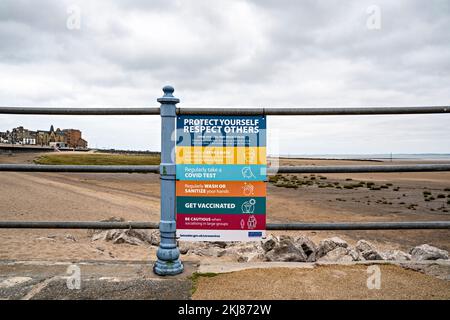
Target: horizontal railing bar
x: 77, y: 225
x: 305, y: 111
x: 360, y: 169
x: 271, y: 170
x: 269, y: 226
x: 360, y: 225
x: 80, y: 111
x: 78, y: 168
x: 313, y: 111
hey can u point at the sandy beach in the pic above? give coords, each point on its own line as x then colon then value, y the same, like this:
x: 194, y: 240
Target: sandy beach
x: 135, y: 197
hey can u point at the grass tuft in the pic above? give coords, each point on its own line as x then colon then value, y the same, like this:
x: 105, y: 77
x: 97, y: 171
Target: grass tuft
x: 97, y: 159
x: 196, y: 276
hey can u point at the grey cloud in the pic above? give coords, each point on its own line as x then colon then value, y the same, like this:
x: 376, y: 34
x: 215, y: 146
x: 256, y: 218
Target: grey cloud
x: 234, y: 53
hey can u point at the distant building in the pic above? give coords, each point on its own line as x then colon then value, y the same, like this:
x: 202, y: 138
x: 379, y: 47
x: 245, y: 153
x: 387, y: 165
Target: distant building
x: 58, y: 145
x: 73, y: 138
x: 67, y: 138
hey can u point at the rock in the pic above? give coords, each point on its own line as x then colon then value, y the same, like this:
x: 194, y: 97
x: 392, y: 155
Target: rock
x: 242, y: 259
x: 356, y: 255
x: 395, y: 255
x: 185, y: 247
x: 338, y: 254
x: 285, y: 250
x: 308, y: 246
x: 268, y: 243
x: 70, y: 237
x: 427, y: 252
x: 244, y: 252
x: 367, y: 250
x: 205, y: 251
x: 155, y: 237
x: 130, y: 236
x: 363, y: 245
x: 255, y: 257
x: 220, y: 244
x: 220, y: 253
x: 371, y: 255
x: 330, y: 244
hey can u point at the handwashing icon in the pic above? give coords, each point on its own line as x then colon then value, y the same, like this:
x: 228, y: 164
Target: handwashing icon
x: 248, y: 189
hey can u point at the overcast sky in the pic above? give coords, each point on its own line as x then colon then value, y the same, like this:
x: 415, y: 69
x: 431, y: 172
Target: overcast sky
x: 233, y: 53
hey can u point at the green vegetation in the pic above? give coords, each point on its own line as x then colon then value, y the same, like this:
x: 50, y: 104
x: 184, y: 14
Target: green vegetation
x: 196, y: 276
x: 97, y: 159
x: 447, y: 189
x: 322, y: 182
x: 440, y: 196
x: 274, y: 179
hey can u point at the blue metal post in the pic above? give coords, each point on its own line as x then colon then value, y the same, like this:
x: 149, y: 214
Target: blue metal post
x: 168, y: 254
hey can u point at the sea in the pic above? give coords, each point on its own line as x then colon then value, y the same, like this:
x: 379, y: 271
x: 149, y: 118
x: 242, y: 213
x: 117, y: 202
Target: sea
x: 381, y: 156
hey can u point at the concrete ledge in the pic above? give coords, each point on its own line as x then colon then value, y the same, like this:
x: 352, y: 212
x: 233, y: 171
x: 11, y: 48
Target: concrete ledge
x: 98, y: 280
x: 136, y: 280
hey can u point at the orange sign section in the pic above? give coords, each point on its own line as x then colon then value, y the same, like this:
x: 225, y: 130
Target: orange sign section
x: 221, y: 188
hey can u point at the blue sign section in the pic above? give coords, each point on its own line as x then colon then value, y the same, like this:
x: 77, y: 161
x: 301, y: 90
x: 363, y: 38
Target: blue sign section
x: 221, y: 172
x: 255, y: 234
x: 226, y: 131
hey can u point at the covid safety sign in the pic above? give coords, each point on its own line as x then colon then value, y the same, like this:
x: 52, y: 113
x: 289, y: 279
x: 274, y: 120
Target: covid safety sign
x: 221, y: 168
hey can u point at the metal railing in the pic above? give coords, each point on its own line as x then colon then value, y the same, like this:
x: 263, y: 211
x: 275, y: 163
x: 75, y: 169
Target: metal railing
x: 307, y: 111
x: 168, y: 254
x: 270, y: 170
x: 269, y: 226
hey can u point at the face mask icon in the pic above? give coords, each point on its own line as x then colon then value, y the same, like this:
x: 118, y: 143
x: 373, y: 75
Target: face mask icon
x: 247, y: 173
x: 248, y: 206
